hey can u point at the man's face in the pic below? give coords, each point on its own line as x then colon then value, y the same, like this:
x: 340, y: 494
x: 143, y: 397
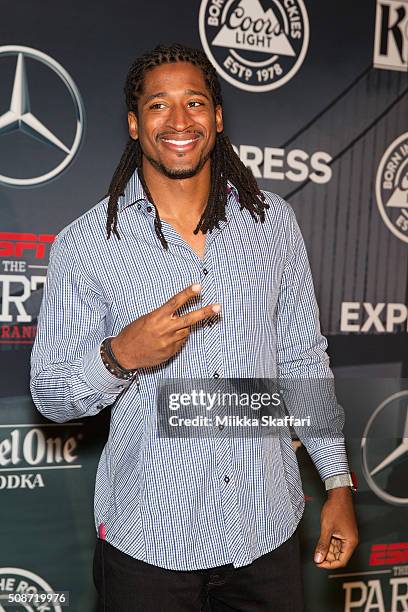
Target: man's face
x: 177, y: 122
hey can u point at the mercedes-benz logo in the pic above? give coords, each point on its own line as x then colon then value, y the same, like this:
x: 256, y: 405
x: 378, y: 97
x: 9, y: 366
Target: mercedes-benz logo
x: 19, y: 116
x: 401, y: 449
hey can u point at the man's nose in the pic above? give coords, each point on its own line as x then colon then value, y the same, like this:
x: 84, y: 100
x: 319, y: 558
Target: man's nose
x: 180, y: 118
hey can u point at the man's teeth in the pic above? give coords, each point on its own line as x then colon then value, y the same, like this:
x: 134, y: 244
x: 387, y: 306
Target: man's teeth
x: 179, y: 142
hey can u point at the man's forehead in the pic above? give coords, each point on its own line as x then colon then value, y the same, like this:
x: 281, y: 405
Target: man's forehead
x: 178, y: 75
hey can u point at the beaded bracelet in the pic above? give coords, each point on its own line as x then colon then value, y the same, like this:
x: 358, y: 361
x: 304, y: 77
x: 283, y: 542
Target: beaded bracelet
x: 110, y: 362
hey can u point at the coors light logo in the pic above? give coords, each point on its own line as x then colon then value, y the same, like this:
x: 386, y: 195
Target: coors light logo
x: 256, y: 45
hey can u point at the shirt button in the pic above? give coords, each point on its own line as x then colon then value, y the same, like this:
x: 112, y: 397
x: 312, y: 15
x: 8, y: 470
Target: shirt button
x: 216, y: 375
x: 149, y: 209
x: 205, y: 271
x: 139, y: 206
x: 226, y: 479
x: 220, y: 427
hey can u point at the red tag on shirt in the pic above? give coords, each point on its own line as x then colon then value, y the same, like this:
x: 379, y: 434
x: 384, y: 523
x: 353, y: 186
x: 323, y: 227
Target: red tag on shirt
x: 102, y: 532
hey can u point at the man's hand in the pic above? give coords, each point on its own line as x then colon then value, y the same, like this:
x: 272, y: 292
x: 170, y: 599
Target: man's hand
x: 158, y: 335
x: 338, y: 530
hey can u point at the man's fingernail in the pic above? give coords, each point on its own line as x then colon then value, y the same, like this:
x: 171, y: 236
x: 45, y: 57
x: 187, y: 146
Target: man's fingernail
x: 196, y: 287
x: 216, y: 308
x: 318, y: 557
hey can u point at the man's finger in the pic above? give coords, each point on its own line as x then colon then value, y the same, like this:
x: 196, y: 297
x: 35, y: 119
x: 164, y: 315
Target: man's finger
x: 179, y: 334
x: 347, y: 549
x: 180, y: 343
x: 322, y: 547
x: 330, y: 565
x: 176, y: 301
x: 197, y: 315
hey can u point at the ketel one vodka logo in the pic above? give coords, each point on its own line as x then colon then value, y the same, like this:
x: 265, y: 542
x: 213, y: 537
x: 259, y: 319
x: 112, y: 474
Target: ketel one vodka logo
x: 256, y: 45
x: 392, y: 187
x: 29, y: 452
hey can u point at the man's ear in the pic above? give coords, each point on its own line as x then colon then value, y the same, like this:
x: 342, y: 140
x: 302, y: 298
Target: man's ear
x: 218, y: 118
x: 133, y: 125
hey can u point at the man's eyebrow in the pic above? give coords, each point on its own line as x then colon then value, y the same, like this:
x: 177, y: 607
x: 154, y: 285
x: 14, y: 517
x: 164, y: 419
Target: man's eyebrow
x: 163, y: 94
x: 159, y: 94
x: 193, y: 92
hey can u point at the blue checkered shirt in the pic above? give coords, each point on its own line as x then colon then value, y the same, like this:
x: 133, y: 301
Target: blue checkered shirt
x: 185, y: 503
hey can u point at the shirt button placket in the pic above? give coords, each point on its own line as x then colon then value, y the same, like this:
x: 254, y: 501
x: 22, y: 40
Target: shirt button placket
x: 235, y: 535
x: 211, y: 328
x: 213, y: 348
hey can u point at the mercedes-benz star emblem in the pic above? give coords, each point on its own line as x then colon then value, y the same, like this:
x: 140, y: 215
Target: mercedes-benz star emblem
x: 20, y: 117
x: 391, y: 459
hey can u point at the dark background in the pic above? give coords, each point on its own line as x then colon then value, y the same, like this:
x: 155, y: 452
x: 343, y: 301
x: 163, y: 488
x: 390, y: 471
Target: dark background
x: 336, y: 103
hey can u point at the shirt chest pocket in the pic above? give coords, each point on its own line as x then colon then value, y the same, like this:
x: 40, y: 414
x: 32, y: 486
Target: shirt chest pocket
x: 250, y: 296
x: 136, y: 294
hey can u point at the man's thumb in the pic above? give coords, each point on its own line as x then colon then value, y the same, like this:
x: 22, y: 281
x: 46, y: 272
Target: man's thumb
x: 322, y: 547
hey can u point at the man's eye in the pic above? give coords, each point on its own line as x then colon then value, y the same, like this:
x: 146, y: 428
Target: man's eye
x: 195, y: 103
x: 157, y: 105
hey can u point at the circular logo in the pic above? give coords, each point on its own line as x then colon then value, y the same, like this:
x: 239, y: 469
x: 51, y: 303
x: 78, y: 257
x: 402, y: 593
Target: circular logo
x: 392, y: 187
x: 23, y: 590
x: 21, y: 117
x: 256, y: 45
x: 383, y: 452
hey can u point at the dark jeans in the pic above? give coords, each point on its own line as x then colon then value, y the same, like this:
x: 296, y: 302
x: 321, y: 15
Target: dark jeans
x: 271, y: 583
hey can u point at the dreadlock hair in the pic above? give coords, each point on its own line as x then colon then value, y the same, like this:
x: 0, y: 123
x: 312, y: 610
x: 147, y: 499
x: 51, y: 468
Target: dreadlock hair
x: 225, y: 163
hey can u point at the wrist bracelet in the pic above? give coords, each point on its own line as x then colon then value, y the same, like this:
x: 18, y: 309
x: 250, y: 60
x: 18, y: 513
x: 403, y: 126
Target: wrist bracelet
x: 342, y: 480
x: 110, y: 362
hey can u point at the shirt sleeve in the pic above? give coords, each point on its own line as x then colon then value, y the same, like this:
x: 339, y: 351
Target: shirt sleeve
x: 305, y: 377
x: 68, y: 377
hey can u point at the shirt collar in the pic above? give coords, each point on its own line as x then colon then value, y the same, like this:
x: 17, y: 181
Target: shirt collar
x: 134, y: 192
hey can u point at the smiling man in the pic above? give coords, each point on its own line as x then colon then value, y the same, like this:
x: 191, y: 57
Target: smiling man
x: 188, y: 270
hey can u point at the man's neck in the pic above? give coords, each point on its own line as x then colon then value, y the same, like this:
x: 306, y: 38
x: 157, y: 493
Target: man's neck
x: 182, y: 201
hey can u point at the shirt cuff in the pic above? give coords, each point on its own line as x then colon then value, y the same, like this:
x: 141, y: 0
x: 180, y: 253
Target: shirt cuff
x: 330, y: 460
x: 98, y: 377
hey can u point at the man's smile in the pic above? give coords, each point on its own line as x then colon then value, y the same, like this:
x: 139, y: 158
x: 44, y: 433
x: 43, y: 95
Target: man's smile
x: 180, y: 142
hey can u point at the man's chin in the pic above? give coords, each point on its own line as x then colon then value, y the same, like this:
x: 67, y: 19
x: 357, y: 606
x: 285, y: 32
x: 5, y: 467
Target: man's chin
x: 177, y: 173
x: 180, y: 173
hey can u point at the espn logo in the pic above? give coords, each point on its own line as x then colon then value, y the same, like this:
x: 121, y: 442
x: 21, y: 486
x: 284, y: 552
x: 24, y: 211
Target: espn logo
x: 13, y: 244
x: 389, y: 554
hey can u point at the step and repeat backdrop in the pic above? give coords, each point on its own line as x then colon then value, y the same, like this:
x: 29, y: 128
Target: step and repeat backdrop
x: 316, y: 104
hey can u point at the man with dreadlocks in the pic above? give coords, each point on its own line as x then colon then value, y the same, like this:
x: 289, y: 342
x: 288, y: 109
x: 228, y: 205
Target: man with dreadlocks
x: 188, y: 270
